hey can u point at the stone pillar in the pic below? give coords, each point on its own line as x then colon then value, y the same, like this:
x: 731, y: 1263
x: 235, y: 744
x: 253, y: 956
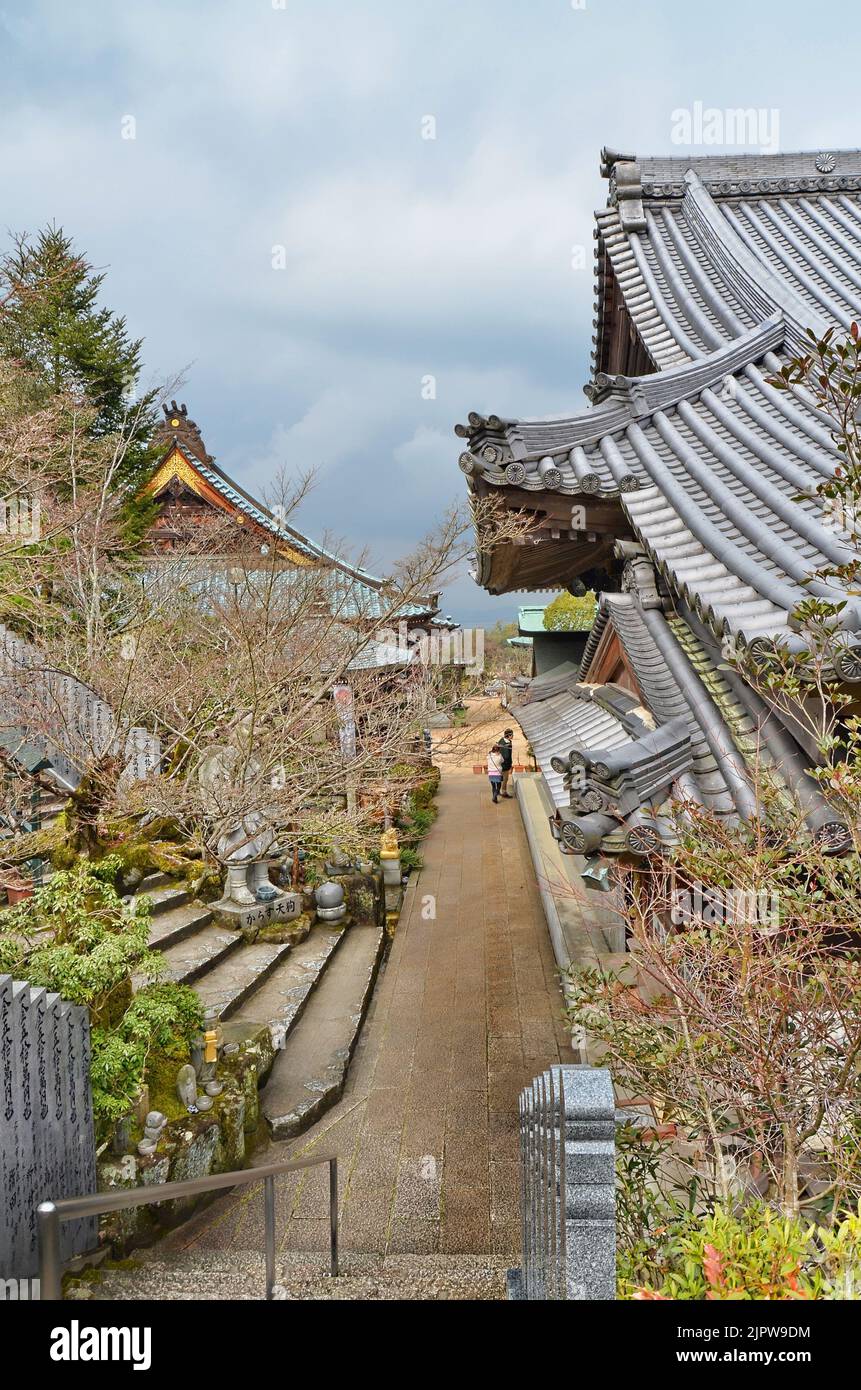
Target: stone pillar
x: 589, y: 1175
x: 567, y: 1165
x: 390, y: 863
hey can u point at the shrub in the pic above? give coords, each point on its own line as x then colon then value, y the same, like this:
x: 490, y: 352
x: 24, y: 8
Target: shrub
x: 568, y: 613
x: 160, y: 1021
x: 750, y: 1254
x: 77, y: 936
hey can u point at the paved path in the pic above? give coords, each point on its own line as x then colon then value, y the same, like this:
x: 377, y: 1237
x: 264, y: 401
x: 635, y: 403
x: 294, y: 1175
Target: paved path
x: 466, y: 1011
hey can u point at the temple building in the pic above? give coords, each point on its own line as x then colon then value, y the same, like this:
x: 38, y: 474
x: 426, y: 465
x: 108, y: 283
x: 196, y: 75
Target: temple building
x: 687, y: 494
x: 206, y: 524
x: 196, y: 499
x: 550, y: 646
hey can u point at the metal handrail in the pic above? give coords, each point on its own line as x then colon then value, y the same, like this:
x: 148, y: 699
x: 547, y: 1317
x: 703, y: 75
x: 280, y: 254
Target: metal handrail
x: 50, y: 1215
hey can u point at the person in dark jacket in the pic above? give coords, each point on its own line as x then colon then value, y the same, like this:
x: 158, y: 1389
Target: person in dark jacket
x: 506, y: 748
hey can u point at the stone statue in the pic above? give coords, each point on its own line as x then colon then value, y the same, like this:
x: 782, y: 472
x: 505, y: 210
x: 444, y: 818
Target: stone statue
x: 186, y: 1087
x: 211, y: 1086
x: 153, y: 1130
x: 389, y: 848
x: 390, y: 863
x: 246, y: 846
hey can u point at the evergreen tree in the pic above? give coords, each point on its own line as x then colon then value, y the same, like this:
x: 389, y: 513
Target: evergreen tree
x: 52, y: 323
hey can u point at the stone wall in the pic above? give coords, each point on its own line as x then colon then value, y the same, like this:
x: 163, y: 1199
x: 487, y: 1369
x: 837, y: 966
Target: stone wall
x: 191, y: 1146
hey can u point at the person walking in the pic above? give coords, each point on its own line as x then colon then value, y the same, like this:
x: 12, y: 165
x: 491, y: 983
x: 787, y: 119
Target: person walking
x: 494, y: 771
x: 506, y: 748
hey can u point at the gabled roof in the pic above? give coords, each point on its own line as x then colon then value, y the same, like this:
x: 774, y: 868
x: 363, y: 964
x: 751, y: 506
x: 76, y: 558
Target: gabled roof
x: 568, y: 716
x: 530, y: 619
x: 184, y: 456
x: 702, y: 248
x: 612, y: 762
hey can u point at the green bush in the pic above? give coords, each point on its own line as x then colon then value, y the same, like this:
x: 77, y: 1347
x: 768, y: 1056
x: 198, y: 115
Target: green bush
x: 158, y: 1025
x: 750, y: 1254
x: 568, y: 613
x: 410, y: 859
x: 78, y: 937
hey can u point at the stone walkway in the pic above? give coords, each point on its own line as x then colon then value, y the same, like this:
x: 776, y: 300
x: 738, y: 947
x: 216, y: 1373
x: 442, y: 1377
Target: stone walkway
x: 467, y: 1010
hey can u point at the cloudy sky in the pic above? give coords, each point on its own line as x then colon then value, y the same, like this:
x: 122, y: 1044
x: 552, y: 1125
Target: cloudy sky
x: 283, y: 230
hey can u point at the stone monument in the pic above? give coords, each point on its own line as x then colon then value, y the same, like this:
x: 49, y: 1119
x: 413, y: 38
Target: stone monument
x: 247, y: 846
x: 47, y: 1145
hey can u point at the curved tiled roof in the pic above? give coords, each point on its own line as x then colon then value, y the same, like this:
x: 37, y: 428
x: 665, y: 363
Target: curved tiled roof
x: 723, y: 265
x: 712, y: 245
x: 719, y: 483
x: 567, y: 717
x: 359, y: 592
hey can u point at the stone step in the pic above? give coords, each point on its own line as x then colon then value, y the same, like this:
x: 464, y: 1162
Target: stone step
x: 240, y: 1274
x: 177, y: 923
x: 163, y: 898
x: 155, y: 880
x: 308, y: 1075
x: 192, y: 957
x: 230, y: 982
x: 281, y: 999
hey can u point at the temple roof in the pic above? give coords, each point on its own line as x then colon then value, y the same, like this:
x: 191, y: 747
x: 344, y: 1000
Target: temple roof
x: 721, y: 265
x: 694, y: 733
x: 698, y: 249
x: 184, y: 456
x: 691, y: 485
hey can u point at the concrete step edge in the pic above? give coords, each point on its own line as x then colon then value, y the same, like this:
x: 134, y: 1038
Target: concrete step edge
x: 309, y: 994
x: 202, y: 918
x: 329, y: 1087
x: 198, y: 970
x: 164, y: 898
x: 234, y: 1001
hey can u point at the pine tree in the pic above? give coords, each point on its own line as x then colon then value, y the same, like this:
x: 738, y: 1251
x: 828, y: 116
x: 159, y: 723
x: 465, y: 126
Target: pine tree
x: 52, y: 323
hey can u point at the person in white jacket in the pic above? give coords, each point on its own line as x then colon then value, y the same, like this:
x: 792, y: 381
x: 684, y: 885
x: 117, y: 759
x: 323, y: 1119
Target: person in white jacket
x: 494, y: 771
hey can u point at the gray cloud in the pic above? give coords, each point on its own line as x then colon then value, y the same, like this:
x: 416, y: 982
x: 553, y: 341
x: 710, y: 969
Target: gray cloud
x: 261, y: 126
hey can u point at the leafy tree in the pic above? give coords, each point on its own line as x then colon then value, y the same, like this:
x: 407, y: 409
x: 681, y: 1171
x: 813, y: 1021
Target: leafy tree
x: 571, y: 613
x: 53, y: 324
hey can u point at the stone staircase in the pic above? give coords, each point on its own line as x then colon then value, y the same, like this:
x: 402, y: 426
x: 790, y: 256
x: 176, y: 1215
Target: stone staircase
x: 309, y: 1075
x: 240, y: 1274
x: 312, y: 995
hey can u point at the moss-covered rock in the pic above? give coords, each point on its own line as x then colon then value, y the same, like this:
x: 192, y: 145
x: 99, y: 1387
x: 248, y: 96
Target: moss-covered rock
x: 231, y: 1133
x: 191, y: 1146
x: 119, y: 1229
x: 204, y: 881
x: 363, y: 893
x: 293, y: 931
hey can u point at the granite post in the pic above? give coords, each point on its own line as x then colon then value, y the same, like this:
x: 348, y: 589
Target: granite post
x: 567, y: 1168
